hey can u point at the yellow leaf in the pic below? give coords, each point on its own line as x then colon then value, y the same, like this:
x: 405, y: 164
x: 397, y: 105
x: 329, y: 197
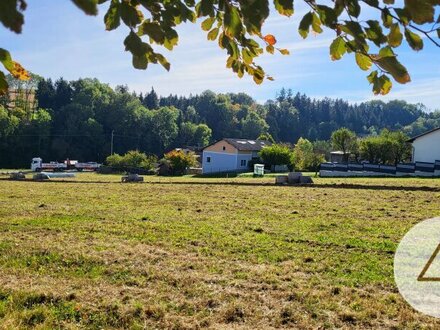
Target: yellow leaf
x: 19, y: 72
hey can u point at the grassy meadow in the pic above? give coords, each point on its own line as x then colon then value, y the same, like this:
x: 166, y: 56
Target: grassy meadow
x: 220, y: 253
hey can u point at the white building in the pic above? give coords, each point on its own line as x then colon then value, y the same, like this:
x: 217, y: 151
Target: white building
x: 231, y: 155
x: 426, y: 146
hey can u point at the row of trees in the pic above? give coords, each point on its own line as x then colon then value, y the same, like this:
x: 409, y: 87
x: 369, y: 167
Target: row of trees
x: 176, y: 162
x: 83, y: 119
x: 386, y: 148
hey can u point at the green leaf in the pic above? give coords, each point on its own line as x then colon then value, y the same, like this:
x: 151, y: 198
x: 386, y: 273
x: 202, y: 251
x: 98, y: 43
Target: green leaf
x: 384, y: 84
x: 207, y: 23
x: 354, y: 29
x: 5, y: 58
x: 395, y: 36
x: 395, y: 68
x: 270, y: 49
x: 163, y: 61
x: 258, y: 77
x: 363, y: 61
x: 337, y: 49
x: 247, y: 56
x: 10, y: 14
x: 386, y: 52
x: 284, y: 7
x: 304, y: 25
x: 140, y: 62
x: 316, y: 23
x: 353, y: 7
x: 387, y: 19
x: 205, y: 8
x: 130, y: 15
x: 381, y: 85
x: 135, y: 45
x: 232, y: 21
x: 327, y: 15
x: 212, y: 35
x: 90, y: 7
x: 112, y: 18
x: 403, y: 15
x: 438, y: 33
x: 3, y: 84
x: 171, y: 39
x: 284, y: 51
x: 421, y: 12
x: 374, y: 33
x: 153, y: 30
x: 413, y: 40
x: 254, y: 13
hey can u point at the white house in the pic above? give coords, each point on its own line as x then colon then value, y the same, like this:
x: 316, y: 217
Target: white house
x: 231, y: 155
x: 426, y: 146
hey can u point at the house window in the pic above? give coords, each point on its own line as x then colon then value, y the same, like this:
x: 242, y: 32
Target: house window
x: 208, y: 159
x: 243, y: 162
x: 224, y: 148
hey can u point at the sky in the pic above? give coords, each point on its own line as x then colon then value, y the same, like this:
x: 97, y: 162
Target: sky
x: 58, y: 40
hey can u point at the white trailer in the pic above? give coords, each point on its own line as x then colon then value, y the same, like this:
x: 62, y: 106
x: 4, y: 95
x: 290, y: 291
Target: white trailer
x: 90, y: 166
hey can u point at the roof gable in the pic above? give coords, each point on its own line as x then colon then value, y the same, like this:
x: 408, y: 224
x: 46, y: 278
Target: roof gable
x: 423, y: 134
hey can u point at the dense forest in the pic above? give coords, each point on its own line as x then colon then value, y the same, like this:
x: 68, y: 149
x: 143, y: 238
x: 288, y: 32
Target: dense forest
x: 78, y: 119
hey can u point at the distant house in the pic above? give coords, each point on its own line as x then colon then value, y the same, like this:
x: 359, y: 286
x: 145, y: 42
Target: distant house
x: 339, y: 156
x: 426, y: 146
x: 231, y: 155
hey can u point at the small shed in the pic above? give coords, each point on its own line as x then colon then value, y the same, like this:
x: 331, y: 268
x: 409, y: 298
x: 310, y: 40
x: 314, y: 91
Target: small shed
x: 339, y: 156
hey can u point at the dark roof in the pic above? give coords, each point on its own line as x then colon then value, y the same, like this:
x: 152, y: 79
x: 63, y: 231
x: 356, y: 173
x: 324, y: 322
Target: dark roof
x: 247, y: 145
x: 420, y: 135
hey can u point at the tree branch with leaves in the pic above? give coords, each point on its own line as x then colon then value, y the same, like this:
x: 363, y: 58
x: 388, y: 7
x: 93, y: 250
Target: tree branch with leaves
x: 237, y: 24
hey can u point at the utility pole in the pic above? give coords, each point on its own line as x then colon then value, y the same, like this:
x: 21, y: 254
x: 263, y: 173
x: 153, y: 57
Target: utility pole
x: 111, y: 143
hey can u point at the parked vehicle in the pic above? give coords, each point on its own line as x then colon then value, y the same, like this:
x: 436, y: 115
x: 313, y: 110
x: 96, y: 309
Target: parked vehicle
x: 37, y: 165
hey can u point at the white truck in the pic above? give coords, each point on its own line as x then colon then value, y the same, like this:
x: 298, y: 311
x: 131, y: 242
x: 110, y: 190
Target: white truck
x: 37, y: 165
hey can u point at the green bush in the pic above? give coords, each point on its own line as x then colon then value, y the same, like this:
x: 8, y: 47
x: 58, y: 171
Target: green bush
x: 133, y: 158
x: 276, y: 154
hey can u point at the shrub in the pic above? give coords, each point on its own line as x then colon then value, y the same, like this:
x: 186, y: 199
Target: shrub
x: 276, y: 154
x: 179, y: 161
x: 387, y: 148
x: 133, y: 158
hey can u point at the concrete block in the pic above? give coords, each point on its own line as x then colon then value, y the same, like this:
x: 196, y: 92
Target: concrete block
x: 281, y: 179
x: 293, y: 177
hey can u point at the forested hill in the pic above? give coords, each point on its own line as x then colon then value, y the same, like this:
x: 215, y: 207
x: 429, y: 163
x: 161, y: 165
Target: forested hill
x: 76, y: 119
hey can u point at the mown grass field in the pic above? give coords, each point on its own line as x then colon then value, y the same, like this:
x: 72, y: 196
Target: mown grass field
x: 214, y: 253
